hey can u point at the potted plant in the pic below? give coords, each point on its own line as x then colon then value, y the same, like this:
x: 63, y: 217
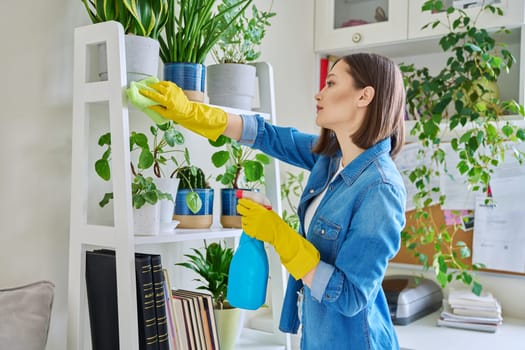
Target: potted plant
x: 145, y: 201
x: 231, y: 82
x: 142, y: 22
x: 194, y: 200
x: 242, y: 170
x: 213, y: 267
x: 155, y: 155
x: 193, y: 27
x: 459, y: 103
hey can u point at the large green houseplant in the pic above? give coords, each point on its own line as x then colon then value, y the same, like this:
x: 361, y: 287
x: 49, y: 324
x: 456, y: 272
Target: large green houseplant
x: 193, y: 27
x: 459, y: 102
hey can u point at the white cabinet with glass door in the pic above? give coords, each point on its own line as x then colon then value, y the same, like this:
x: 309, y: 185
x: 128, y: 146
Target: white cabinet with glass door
x: 348, y: 24
x: 513, y: 15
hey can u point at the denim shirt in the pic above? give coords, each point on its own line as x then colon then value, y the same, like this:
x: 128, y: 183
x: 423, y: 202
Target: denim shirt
x: 356, y: 229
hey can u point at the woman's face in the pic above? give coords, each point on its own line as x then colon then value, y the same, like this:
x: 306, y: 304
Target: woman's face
x: 340, y: 103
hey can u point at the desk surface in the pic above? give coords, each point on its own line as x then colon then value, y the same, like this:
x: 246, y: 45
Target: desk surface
x: 424, y: 334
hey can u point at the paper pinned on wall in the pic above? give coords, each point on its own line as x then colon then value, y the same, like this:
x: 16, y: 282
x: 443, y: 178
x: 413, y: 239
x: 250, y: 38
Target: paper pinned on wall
x: 499, y: 240
x: 455, y: 185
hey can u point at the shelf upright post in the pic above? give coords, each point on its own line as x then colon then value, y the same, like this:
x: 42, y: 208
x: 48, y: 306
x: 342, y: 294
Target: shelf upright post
x: 82, y: 233
x: 278, y: 281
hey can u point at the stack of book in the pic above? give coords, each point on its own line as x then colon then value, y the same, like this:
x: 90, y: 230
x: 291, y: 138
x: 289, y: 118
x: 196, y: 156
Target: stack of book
x: 101, y: 285
x: 465, y: 310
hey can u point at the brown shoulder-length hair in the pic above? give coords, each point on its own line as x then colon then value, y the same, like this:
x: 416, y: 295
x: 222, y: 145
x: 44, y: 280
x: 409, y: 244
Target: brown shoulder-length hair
x: 386, y: 112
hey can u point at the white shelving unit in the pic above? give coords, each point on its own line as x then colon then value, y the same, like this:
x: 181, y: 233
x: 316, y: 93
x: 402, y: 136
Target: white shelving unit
x: 85, y: 235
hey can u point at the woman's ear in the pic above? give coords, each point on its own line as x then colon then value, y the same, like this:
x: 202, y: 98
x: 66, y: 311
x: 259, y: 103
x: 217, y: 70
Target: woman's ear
x: 367, y: 94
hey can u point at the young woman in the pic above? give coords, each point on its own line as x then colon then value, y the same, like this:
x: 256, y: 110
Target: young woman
x: 353, y: 208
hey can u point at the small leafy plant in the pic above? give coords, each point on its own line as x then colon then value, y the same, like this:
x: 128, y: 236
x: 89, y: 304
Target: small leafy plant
x: 242, y: 169
x: 213, y: 267
x: 143, y: 191
x: 457, y: 101
x: 158, y: 157
x: 240, y: 41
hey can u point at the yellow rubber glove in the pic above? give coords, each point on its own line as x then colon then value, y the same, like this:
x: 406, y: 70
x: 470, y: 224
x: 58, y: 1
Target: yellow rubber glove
x: 298, y: 255
x: 173, y: 104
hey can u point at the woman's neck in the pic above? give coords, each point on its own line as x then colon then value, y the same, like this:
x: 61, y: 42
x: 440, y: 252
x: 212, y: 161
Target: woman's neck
x: 349, y: 150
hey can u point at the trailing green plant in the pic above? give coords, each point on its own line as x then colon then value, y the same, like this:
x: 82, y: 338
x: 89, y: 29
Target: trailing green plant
x: 157, y: 156
x: 242, y: 168
x: 240, y: 41
x: 213, y: 267
x: 457, y: 101
x: 144, y: 18
x: 291, y: 190
x: 165, y: 142
x: 193, y: 27
x: 143, y: 191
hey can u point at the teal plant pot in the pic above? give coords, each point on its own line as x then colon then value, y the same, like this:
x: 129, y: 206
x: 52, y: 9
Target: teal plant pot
x: 190, y: 77
x: 187, y: 219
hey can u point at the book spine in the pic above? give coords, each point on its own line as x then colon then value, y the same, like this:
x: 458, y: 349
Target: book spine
x: 148, y: 338
x: 172, y: 328
x: 101, y: 288
x: 160, y: 305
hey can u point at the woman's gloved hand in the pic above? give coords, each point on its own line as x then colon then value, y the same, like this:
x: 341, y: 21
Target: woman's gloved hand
x: 298, y: 255
x: 173, y: 104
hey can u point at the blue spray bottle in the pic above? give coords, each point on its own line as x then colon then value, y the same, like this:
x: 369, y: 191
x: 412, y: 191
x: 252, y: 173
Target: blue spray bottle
x: 248, y: 274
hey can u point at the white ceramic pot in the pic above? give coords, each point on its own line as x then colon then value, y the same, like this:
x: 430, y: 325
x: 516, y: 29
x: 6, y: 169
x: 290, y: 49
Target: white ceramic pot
x: 167, y: 185
x: 146, y: 220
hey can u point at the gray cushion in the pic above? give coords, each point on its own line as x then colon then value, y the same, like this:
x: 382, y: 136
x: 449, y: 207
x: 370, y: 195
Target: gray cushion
x: 25, y: 312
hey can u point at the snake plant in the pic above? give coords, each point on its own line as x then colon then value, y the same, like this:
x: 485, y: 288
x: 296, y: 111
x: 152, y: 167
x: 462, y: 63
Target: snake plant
x: 194, y: 27
x: 140, y: 17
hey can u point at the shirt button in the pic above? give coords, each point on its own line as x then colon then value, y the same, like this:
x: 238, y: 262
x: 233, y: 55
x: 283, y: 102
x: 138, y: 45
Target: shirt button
x: 322, y: 232
x: 331, y: 187
x: 312, y: 190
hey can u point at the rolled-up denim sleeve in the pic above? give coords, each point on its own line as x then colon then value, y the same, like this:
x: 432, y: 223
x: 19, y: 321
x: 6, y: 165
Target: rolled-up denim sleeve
x: 249, y: 130
x: 321, y: 278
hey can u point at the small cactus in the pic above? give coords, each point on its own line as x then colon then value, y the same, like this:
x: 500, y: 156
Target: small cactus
x: 191, y: 177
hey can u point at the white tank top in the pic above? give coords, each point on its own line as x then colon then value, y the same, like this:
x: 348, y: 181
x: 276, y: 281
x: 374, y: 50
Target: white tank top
x: 312, y: 208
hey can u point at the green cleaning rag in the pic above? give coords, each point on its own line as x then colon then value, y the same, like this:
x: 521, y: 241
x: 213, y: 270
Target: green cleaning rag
x: 142, y: 102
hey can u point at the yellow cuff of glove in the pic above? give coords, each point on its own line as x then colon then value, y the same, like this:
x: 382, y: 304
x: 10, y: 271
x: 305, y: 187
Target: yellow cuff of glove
x: 306, y: 258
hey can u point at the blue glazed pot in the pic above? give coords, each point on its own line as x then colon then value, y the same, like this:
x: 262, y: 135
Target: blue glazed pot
x: 203, y: 218
x: 229, y: 216
x: 190, y: 77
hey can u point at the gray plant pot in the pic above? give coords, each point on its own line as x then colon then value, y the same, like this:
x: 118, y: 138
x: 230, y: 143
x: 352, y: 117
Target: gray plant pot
x: 231, y: 85
x: 142, y: 58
